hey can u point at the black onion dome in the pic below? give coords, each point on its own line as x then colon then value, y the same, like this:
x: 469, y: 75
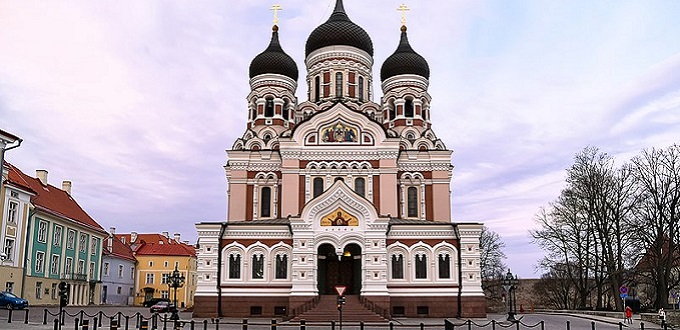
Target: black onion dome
x: 339, y: 30
x: 274, y: 60
x: 404, y: 61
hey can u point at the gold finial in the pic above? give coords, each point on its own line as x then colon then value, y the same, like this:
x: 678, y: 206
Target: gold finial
x: 276, y: 8
x: 403, y: 9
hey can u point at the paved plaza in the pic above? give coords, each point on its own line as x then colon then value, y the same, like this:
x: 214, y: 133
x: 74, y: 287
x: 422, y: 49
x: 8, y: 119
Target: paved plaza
x: 529, y: 321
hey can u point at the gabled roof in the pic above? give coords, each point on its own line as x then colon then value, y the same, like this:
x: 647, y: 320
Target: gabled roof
x: 147, y: 238
x: 52, y: 200
x: 173, y: 249
x: 18, y: 180
x: 118, y: 249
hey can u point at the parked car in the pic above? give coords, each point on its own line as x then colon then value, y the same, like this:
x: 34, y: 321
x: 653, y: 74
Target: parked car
x: 163, y: 307
x: 11, y: 301
x: 154, y: 301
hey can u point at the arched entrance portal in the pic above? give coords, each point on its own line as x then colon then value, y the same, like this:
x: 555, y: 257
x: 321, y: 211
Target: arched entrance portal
x: 344, y: 270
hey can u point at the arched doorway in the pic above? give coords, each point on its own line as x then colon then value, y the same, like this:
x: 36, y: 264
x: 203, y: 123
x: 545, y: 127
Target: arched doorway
x: 343, y: 270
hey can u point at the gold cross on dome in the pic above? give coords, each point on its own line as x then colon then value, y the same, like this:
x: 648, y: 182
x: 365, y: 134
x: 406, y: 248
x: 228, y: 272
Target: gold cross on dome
x: 403, y: 9
x: 276, y: 8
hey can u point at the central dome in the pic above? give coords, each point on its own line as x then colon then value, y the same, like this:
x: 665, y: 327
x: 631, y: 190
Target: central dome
x: 339, y: 30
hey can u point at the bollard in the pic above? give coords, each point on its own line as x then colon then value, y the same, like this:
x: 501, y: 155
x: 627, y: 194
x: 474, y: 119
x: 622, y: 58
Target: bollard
x: 642, y: 325
x: 205, y: 324
x: 391, y: 325
x: 81, y: 316
x: 245, y: 324
x: 493, y: 324
x: 620, y: 326
x: 100, y: 319
x: 517, y: 324
x: 144, y: 325
x: 76, y: 323
x: 592, y: 325
x: 9, y: 316
x: 217, y: 324
x: 303, y: 325
x: 154, y: 322
x: 85, y: 325
x: 273, y: 324
x: 113, y: 324
x: 127, y: 320
x: 469, y: 323
x: 56, y: 324
x: 332, y: 325
x: 94, y: 324
x: 422, y: 326
x: 165, y: 321
x: 568, y: 325
x: 191, y: 324
x: 542, y: 325
x: 44, y: 316
x: 448, y: 325
x: 361, y: 325
x: 26, y: 316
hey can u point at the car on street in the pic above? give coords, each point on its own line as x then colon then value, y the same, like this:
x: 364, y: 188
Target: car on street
x: 153, y: 301
x: 163, y: 307
x: 11, y: 301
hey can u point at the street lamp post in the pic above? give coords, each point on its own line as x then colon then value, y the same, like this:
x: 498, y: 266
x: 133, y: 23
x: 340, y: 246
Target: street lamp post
x: 175, y: 281
x: 510, y: 284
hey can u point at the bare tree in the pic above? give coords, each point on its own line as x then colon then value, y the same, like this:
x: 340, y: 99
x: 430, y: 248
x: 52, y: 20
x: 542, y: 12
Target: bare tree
x: 657, y: 174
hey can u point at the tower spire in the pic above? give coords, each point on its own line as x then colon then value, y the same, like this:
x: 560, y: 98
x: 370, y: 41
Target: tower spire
x: 403, y: 9
x: 275, y: 8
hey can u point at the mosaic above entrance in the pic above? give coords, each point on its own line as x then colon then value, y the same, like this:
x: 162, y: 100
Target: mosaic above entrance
x: 339, y: 218
x: 339, y: 132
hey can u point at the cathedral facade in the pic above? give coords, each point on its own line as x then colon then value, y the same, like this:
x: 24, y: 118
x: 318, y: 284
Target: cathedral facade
x: 339, y: 191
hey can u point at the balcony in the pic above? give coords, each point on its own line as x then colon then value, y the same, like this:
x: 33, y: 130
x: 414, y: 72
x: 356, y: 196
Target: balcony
x: 74, y: 277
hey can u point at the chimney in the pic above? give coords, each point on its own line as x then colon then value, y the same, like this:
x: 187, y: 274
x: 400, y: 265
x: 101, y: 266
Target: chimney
x: 112, y: 230
x: 109, y: 243
x: 186, y: 242
x: 133, y: 237
x: 66, y: 186
x: 166, y: 234
x: 177, y: 236
x: 42, y: 176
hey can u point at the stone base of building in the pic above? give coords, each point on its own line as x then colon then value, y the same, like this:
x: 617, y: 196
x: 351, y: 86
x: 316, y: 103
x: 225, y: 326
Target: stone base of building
x: 277, y: 306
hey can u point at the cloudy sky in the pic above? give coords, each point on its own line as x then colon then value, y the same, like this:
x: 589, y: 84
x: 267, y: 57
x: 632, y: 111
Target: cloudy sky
x: 137, y: 101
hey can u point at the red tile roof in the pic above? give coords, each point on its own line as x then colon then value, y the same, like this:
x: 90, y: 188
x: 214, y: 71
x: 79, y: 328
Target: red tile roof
x: 17, y: 180
x: 157, y: 244
x: 118, y: 249
x: 53, y: 200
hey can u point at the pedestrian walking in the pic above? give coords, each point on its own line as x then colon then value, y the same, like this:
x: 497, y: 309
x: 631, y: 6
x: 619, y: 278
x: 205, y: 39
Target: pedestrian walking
x: 629, y: 315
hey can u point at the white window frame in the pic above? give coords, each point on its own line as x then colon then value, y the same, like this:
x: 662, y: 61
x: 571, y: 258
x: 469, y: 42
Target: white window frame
x: 91, y: 270
x: 81, y: 243
x: 106, y: 269
x: 71, y: 239
x: 93, y: 245
x: 56, y: 236
x: 54, y: 264
x: 39, y: 262
x: 12, y: 210
x: 120, y: 271
x: 9, y: 248
x: 42, y: 231
x: 68, y: 266
x: 81, y: 266
x: 149, y: 279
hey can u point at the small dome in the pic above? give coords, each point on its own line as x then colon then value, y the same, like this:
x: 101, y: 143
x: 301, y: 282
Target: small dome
x: 339, y: 30
x: 274, y: 60
x: 404, y: 61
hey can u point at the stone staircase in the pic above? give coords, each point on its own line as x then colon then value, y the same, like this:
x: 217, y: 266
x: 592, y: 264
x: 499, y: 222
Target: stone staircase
x: 327, y: 310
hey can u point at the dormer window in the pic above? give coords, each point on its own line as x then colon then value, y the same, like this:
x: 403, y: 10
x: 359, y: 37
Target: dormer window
x: 269, y: 108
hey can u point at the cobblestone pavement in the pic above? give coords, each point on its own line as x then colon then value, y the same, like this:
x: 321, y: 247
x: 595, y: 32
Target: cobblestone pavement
x: 36, y: 316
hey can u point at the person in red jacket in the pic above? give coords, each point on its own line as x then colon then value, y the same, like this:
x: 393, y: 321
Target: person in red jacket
x: 629, y: 315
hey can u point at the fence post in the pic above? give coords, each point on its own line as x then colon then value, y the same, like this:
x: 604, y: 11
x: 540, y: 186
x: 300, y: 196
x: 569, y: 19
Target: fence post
x: 469, y: 322
x: 244, y: 326
x: 592, y: 325
x: 620, y: 326
x: 303, y: 325
x: 62, y: 316
x: 113, y: 324
x: 568, y: 325
x: 9, y: 316
x: 81, y: 315
x: 76, y: 322
x: 95, y: 323
x: 642, y: 325
x: 422, y: 326
x: 26, y: 317
x: 56, y: 324
x: 517, y: 324
x: 493, y: 324
x: 100, y: 318
x: 217, y: 324
x: 127, y: 322
x: 205, y: 324
x: 273, y: 324
x: 165, y: 321
x: 191, y: 324
x: 332, y: 325
x: 391, y: 325
x: 85, y: 325
x: 44, y: 316
x: 542, y: 325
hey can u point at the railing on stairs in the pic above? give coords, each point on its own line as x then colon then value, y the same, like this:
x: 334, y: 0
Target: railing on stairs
x: 368, y: 304
x: 303, y: 308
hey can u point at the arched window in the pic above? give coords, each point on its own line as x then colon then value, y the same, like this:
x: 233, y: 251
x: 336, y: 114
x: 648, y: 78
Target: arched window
x: 360, y: 186
x: 361, y: 88
x: 412, y: 202
x: 234, y: 266
x: 444, y: 266
x: 338, y: 84
x: 282, y: 266
x: 408, y: 108
x: 393, y: 111
x: 318, y: 186
x: 252, y: 113
x: 269, y: 108
x: 397, y: 266
x: 421, y: 266
x: 265, y: 202
x: 317, y: 88
x: 285, y: 110
x: 258, y: 266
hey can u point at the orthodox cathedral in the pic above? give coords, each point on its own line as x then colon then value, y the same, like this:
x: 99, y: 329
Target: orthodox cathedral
x: 339, y: 191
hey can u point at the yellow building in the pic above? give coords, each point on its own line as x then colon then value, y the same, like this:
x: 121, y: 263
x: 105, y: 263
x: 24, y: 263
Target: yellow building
x: 157, y: 257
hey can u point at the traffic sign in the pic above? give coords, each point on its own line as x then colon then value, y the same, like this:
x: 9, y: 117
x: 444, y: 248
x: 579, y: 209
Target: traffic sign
x: 624, y: 295
x: 340, y: 289
x: 623, y: 289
